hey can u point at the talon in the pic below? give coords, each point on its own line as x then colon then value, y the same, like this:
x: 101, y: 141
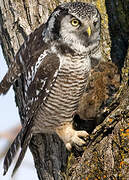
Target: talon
x: 68, y: 146
x: 70, y: 136
x: 82, y: 134
x: 78, y: 141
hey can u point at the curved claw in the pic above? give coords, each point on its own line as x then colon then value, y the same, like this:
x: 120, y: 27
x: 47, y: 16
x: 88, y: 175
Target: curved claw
x: 70, y: 136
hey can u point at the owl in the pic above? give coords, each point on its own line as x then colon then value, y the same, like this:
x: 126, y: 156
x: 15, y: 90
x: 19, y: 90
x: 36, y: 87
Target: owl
x: 54, y: 64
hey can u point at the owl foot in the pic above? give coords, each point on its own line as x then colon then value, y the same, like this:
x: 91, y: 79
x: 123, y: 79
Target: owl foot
x: 70, y: 136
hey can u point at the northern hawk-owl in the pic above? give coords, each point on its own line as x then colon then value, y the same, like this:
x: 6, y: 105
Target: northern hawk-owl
x: 54, y: 64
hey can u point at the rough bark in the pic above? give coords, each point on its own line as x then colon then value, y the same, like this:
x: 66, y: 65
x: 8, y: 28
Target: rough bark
x: 106, y: 154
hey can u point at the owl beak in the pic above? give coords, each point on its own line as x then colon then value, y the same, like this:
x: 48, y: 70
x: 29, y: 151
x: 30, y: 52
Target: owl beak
x: 89, y: 31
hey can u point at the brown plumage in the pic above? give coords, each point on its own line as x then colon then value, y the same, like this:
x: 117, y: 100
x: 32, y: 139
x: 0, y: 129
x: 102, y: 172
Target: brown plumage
x: 55, y: 63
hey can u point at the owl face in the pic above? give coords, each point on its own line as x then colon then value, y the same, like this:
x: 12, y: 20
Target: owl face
x: 75, y: 24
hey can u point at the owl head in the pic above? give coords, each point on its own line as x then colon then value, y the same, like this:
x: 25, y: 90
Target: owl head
x: 76, y: 24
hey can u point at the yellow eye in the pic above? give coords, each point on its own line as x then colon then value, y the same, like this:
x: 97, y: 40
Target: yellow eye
x: 75, y: 22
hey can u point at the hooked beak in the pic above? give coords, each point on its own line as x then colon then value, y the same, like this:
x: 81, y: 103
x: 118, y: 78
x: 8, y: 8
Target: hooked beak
x: 88, y: 31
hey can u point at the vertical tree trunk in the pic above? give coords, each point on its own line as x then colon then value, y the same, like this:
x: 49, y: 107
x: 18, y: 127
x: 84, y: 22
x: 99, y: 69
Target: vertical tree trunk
x: 106, y: 155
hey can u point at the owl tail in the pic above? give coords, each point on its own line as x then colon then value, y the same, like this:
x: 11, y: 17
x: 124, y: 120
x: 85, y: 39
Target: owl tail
x: 11, y: 76
x: 23, y: 139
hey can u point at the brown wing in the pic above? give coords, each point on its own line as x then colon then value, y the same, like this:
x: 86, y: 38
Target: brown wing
x: 37, y: 88
x: 30, y: 48
x: 38, y: 69
x: 27, y: 67
x: 38, y: 66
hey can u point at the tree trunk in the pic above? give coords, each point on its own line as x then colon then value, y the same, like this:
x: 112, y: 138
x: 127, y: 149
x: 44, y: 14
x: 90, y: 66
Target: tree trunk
x: 106, y: 154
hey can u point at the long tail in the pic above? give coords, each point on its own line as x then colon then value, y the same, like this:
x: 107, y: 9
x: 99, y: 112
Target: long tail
x: 23, y: 140
x: 12, y: 152
x: 13, y: 73
x: 22, y: 153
